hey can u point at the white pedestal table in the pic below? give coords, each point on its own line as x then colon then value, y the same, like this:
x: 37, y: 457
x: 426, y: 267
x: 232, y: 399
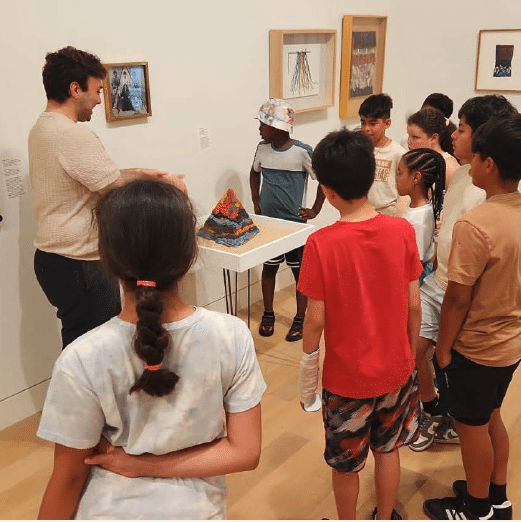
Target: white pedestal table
x: 276, y: 237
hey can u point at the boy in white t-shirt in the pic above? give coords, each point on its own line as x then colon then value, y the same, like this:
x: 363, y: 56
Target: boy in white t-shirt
x: 375, y: 119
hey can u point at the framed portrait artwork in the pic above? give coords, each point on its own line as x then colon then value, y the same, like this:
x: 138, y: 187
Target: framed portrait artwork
x: 126, y: 90
x: 363, y: 59
x: 302, y: 67
x: 498, y: 65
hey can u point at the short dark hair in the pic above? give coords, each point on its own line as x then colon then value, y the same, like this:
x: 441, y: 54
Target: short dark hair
x: 441, y: 102
x: 480, y: 109
x: 500, y: 139
x: 147, y: 232
x: 66, y: 66
x: 376, y: 106
x: 344, y: 162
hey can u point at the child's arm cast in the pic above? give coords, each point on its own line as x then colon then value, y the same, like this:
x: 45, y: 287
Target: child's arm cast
x: 314, y: 211
x: 65, y: 486
x: 255, y: 182
x: 454, y: 309
x: 238, y: 451
x: 308, y: 375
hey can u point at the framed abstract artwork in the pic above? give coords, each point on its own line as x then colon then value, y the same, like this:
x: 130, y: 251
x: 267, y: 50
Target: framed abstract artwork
x: 363, y: 59
x: 498, y: 64
x: 302, y: 67
x: 126, y: 90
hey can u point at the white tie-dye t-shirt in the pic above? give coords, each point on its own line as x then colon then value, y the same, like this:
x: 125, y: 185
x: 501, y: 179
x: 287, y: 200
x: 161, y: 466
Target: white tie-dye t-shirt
x: 214, y: 357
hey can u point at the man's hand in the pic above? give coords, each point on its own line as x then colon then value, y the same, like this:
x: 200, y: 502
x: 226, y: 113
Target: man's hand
x: 115, y: 459
x: 257, y: 209
x: 307, y: 213
x: 443, y: 358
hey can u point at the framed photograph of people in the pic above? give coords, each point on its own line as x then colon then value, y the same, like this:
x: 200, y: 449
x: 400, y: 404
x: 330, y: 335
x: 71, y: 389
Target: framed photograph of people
x: 498, y: 65
x: 363, y: 59
x: 126, y: 90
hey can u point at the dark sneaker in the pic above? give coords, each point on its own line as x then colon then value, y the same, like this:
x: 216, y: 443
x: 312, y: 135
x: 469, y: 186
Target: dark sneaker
x: 501, y: 511
x: 267, y: 325
x: 446, y: 432
x: 451, y: 508
x: 428, y: 426
x: 394, y: 515
x: 295, y: 332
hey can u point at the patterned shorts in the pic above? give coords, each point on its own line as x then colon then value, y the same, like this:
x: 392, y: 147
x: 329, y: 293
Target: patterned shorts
x: 383, y: 424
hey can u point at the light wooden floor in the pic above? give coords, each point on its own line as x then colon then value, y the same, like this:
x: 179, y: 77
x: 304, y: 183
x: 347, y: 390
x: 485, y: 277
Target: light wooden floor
x: 292, y: 480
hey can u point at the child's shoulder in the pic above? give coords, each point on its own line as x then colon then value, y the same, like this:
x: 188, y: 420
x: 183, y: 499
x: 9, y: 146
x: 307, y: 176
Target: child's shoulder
x: 394, y: 146
x: 495, y: 212
x: 221, y: 322
x: 380, y: 224
x: 305, y: 146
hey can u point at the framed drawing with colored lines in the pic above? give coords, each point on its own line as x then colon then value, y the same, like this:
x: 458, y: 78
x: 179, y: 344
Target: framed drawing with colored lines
x: 363, y: 59
x: 302, y: 67
x: 498, y: 65
x: 126, y: 91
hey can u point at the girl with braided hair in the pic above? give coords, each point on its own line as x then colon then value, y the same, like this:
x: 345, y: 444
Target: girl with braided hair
x: 164, y: 390
x: 421, y: 175
x: 428, y: 128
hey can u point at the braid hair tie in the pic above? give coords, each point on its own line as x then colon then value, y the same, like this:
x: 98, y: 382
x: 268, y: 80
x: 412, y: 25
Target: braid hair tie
x: 145, y: 283
x: 153, y: 368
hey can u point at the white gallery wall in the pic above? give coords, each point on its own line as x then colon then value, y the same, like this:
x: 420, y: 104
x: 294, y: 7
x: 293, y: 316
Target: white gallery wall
x: 209, y: 68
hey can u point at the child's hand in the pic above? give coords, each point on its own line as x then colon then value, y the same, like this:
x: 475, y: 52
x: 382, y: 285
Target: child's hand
x: 307, y: 213
x: 114, y: 459
x: 443, y: 358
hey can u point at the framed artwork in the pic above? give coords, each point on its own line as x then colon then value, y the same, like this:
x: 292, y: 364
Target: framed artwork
x: 363, y: 59
x: 498, y: 65
x: 302, y: 67
x: 126, y: 90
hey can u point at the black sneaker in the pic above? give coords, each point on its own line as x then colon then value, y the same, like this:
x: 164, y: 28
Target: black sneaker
x: 296, y: 330
x: 394, y: 515
x: 501, y: 511
x: 451, y: 508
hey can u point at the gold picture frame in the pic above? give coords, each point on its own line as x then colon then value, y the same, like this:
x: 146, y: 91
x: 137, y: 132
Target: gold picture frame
x: 126, y: 90
x: 302, y: 67
x: 363, y: 60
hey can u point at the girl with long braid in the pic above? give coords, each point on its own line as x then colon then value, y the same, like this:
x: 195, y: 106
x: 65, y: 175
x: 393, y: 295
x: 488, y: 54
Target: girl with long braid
x: 164, y: 390
x: 421, y: 175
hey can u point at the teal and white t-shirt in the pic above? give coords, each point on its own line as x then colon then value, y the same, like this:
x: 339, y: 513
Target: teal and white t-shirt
x: 214, y: 357
x: 284, y: 178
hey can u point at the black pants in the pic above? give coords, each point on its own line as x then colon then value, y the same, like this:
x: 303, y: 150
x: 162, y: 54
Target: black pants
x: 84, y: 295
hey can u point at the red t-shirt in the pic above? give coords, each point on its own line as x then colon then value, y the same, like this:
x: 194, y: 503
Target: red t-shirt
x: 362, y: 272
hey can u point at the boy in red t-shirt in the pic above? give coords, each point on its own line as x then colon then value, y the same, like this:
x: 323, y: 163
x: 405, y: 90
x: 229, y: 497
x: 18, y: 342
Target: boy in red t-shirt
x: 361, y: 279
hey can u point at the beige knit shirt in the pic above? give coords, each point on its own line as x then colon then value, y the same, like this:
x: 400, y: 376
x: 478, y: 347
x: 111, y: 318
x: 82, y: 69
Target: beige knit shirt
x: 68, y: 165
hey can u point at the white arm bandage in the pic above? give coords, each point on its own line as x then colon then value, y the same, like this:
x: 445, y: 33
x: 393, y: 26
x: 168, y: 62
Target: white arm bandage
x: 308, y: 377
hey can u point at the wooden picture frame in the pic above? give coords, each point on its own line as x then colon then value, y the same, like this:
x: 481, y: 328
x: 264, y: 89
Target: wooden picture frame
x: 363, y: 60
x: 498, y: 63
x: 126, y: 90
x: 302, y: 67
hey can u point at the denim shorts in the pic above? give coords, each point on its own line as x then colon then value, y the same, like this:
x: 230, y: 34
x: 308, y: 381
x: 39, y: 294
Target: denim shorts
x: 431, y: 295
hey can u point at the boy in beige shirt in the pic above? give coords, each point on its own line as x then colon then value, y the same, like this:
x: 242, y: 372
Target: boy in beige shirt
x: 479, y: 343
